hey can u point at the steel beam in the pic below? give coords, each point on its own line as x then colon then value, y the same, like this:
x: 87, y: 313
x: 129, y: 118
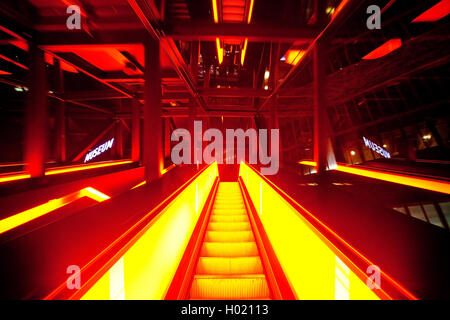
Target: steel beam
x: 36, y: 115
x: 253, y: 32
x: 341, y: 14
x: 149, y: 15
x: 152, y: 153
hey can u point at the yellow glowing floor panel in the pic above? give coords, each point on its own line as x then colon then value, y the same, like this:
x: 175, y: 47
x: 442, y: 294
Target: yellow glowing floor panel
x: 229, y: 266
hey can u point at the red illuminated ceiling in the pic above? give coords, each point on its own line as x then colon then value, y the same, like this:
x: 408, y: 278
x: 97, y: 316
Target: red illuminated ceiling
x: 232, y: 11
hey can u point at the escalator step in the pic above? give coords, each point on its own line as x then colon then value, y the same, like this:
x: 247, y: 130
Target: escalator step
x: 229, y: 226
x: 233, y: 203
x: 229, y: 211
x: 225, y: 236
x: 229, y: 218
x: 233, y: 249
x: 242, y: 287
x: 229, y: 265
x: 229, y: 206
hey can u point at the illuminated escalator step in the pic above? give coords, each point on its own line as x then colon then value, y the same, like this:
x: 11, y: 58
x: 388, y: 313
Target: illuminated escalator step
x: 228, y: 218
x: 229, y: 226
x: 240, y: 287
x: 226, y: 236
x: 229, y: 203
x: 233, y: 249
x: 229, y: 265
x: 229, y: 206
x: 229, y: 211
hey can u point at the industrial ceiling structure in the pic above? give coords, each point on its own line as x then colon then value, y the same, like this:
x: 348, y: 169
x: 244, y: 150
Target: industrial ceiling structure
x: 238, y: 61
x: 93, y: 92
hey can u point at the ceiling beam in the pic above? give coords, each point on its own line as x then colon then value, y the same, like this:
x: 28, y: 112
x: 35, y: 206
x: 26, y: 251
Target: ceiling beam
x: 91, y: 95
x: 414, y: 57
x: 233, y: 92
x: 56, y: 39
x: 148, y: 13
x: 88, y: 73
x: 253, y: 32
x: 342, y: 13
x: 394, y: 117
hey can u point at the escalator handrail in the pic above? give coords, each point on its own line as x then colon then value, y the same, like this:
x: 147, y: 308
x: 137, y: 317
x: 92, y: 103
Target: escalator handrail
x: 355, y: 260
x: 103, y: 261
x: 184, y: 275
x: 278, y: 283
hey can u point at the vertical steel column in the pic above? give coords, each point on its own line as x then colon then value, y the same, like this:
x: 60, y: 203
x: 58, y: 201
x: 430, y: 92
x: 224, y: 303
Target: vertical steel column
x: 273, y: 70
x: 60, y: 115
x: 194, y: 57
x: 195, y: 52
x: 320, y: 105
x: 37, y: 114
x: 153, y: 156
x: 119, y: 132
x: 135, y: 130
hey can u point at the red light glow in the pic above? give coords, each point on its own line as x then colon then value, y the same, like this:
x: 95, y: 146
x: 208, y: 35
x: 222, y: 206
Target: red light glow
x: 21, y: 176
x: 435, y: 13
x: 219, y: 51
x: 422, y: 183
x: 82, y: 167
x: 330, y: 231
x: 21, y: 218
x: 293, y: 56
x: 384, y: 49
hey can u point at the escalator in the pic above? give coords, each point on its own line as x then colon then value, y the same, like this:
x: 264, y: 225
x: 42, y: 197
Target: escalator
x: 229, y: 265
x: 241, y: 239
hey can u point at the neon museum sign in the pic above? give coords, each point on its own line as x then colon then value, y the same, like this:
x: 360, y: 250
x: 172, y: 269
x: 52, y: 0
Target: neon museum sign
x: 99, y: 150
x: 376, y: 148
x: 181, y: 152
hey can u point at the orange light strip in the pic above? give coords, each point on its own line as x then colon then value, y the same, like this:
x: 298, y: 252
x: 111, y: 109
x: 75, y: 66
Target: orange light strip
x: 94, y: 194
x: 21, y: 176
x: 422, y: 183
x: 308, y: 163
x: 249, y: 18
x: 84, y: 167
x: 250, y: 11
x: 139, y: 184
x: 215, y: 12
x: 216, y: 20
x: 14, y: 177
x: 219, y: 51
x: 244, y: 50
x: 360, y: 255
x: 23, y: 217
